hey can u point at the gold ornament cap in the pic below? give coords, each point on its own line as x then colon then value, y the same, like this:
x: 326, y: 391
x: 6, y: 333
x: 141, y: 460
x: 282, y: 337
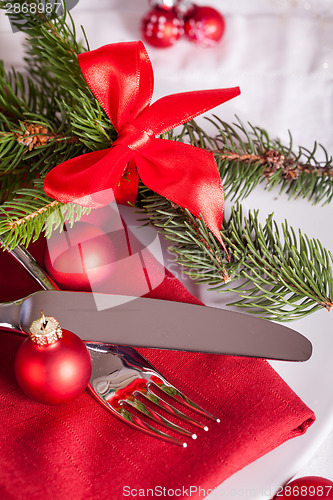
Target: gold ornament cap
x: 45, y: 330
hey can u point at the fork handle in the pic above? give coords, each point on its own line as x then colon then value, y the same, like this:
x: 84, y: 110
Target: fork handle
x: 29, y: 263
x: 10, y: 311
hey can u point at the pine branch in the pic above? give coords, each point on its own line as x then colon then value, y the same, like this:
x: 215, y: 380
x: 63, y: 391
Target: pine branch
x: 23, y: 219
x: 28, y: 152
x: 34, y: 134
x: 287, y: 275
x: 247, y: 156
x: 52, y: 45
x: 274, y: 273
x: 51, y: 57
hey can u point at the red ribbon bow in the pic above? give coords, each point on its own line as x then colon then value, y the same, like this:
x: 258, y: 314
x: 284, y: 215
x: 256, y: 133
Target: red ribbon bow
x: 121, y: 78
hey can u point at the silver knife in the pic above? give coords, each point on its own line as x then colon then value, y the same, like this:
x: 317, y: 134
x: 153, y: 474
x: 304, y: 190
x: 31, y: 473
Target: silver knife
x: 160, y: 324
x: 153, y: 323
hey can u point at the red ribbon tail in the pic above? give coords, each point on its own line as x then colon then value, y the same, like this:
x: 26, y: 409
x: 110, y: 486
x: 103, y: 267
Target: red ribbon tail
x: 218, y: 236
x: 187, y: 176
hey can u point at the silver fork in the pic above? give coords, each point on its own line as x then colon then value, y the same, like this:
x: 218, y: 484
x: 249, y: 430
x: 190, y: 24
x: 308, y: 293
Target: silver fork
x: 123, y: 380
x: 125, y: 383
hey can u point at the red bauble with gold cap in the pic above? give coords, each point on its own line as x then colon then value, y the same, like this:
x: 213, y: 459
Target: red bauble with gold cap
x: 52, y: 366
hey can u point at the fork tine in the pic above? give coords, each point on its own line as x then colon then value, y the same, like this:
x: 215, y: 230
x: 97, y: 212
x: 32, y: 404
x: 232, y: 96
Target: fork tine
x: 134, y: 421
x: 140, y: 424
x: 151, y: 396
x: 157, y: 417
x: 171, y: 391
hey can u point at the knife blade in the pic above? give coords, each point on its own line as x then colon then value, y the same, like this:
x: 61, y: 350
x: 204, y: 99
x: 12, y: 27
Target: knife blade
x: 153, y: 323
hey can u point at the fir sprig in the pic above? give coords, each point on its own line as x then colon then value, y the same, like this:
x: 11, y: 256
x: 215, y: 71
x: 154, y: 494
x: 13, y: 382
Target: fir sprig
x: 24, y: 108
x: 247, y: 156
x: 275, y: 272
x: 51, y: 56
x: 24, y: 218
x: 52, y: 97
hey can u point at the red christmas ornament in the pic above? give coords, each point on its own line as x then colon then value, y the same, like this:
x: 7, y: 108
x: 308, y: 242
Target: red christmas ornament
x: 162, y: 27
x: 52, y: 366
x: 80, y: 258
x: 204, y: 26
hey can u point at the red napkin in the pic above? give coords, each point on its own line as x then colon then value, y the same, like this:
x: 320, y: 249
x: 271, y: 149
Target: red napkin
x: 80, y: 451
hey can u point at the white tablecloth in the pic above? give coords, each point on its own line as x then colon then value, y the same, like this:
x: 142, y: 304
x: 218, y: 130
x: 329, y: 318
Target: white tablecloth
x: 280, y: 53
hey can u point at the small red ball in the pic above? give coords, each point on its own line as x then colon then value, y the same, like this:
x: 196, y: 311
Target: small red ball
x: 162, y: 28
x: 307, y: 488
x: 80, y: 258
x: 204, y: 26
x: 53, y: 374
